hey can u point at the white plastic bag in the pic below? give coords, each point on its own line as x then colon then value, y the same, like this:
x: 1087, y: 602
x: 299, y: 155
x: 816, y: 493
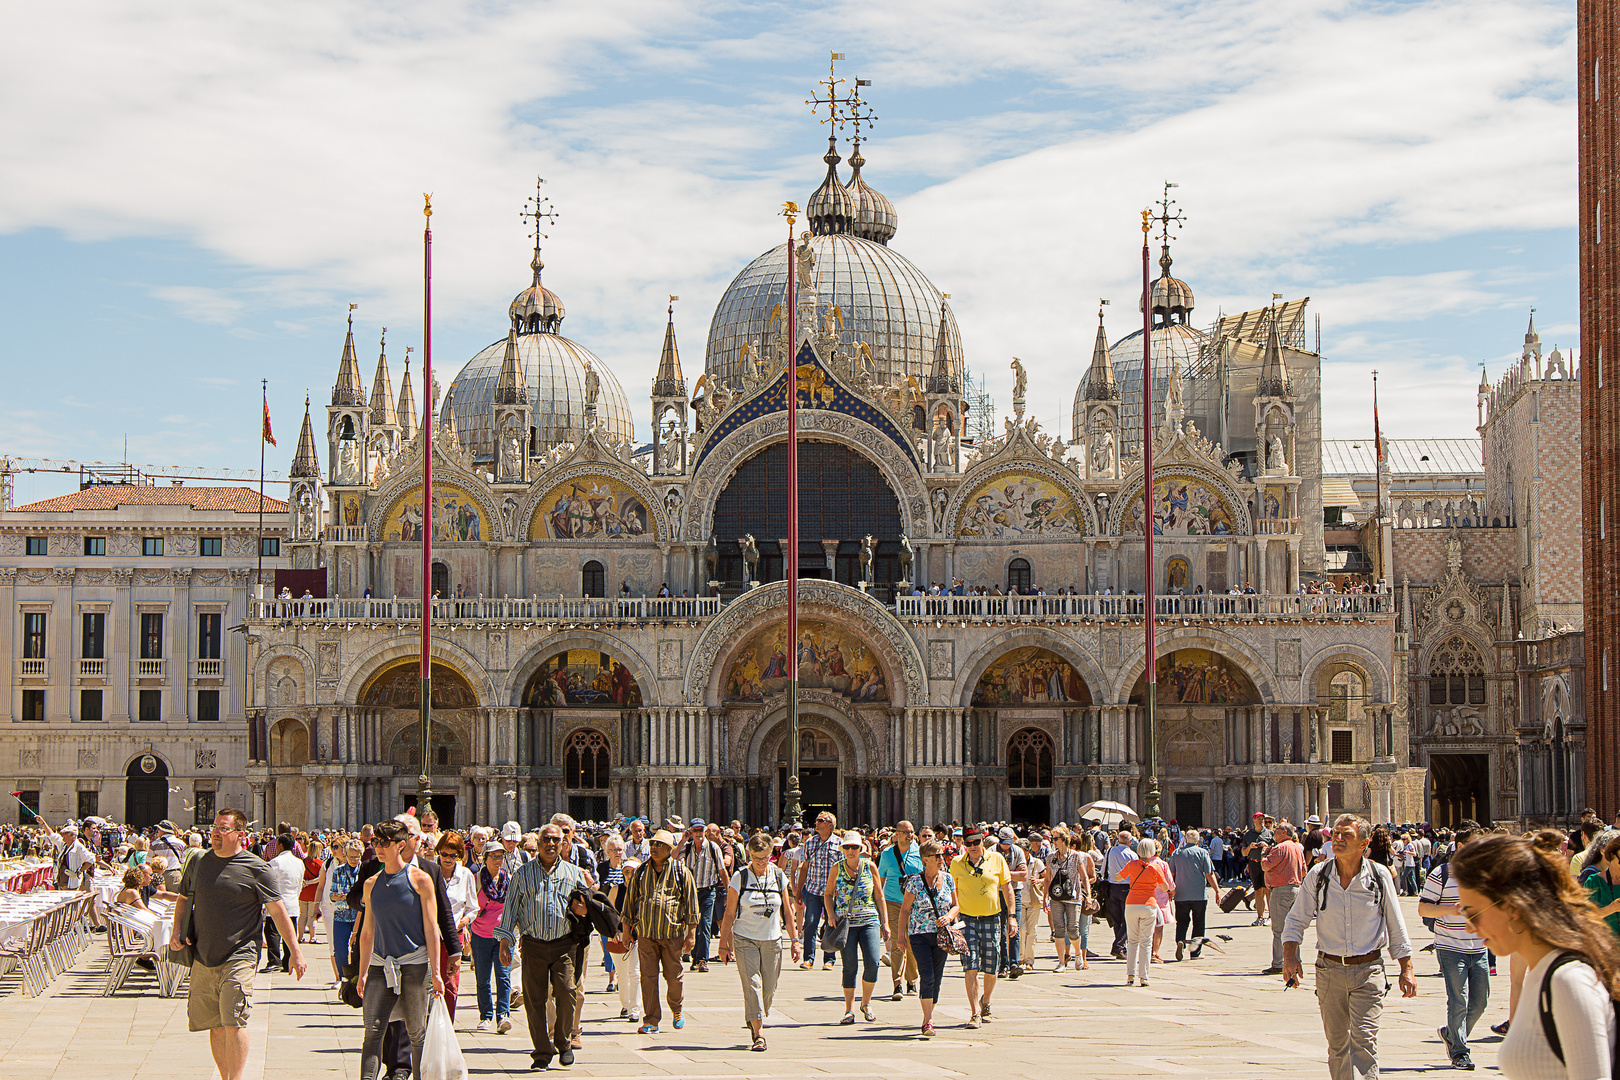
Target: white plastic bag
x: 441, y: 1053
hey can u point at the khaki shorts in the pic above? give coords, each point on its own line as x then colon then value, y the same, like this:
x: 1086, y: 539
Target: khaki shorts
x: 221, y: 996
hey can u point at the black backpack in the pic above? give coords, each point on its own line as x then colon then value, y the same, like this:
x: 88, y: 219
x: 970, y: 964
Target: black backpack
x: 1549, y: 1026
x: 1445, y: 874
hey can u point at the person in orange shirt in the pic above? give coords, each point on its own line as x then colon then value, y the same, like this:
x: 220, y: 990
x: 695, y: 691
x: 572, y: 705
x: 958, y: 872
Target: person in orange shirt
x: 1284, y: 867
x: 1141, y: 907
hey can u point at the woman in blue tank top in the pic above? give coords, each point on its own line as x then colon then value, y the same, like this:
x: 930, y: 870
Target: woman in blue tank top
x: 399, y: 950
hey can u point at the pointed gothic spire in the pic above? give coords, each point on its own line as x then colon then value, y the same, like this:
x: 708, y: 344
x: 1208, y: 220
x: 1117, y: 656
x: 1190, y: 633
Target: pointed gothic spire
x: 1273, y: 372
x: 669, y: 382
x: 511, y: 389
x: 304, y: 461
x: 1100, y: 384
x: 382, y: 388
x: 1504, y: 629
x: 447, y: 419
x: 944, y: 379
x: 348, y: 389
x: 407, y: 404
x: 1532, y: 342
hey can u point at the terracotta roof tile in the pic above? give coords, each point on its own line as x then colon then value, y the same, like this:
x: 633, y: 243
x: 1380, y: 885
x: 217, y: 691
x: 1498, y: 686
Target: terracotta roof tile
x: 242, y: 500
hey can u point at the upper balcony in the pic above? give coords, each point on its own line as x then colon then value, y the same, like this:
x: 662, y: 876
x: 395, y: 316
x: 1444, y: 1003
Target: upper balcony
x: 1194, y: 608
x: 625, y: 609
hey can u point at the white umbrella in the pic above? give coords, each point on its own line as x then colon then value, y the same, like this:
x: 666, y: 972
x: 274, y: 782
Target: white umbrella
x: 1109, y: 813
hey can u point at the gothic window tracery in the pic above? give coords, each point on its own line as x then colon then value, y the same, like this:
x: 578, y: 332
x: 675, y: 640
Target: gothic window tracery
x: 1456, y: 674
x: 587, y: 760
x: 1029, y: 759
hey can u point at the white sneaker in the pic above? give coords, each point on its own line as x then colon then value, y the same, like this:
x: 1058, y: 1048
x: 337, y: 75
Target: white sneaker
x: 483, y: 1025
x: 504, y: 1026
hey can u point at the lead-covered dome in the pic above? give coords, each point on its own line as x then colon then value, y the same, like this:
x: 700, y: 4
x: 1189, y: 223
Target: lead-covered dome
x: 554, y: 371
x: 885, y: 300
x: 1173, y: 343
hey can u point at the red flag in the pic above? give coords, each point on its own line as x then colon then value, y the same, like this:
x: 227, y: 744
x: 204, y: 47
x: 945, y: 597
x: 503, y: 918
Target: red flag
x: 1378, y: 438
x: 268, y: 437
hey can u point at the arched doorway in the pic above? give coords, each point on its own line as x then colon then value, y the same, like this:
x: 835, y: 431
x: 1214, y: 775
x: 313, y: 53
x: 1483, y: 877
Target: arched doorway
x: 842, y: 496
x: 441, y: 580
x: 146, y: 791
x: 1030, y: 757
x: 398, y: 687
x: 587, y: 761
x: 593, y: 580
x: 1018, y: 576
x: 819, y: 762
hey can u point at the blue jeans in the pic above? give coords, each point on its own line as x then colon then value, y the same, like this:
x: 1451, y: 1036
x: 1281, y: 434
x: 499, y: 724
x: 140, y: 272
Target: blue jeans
x: 700, y: 948
x: 486, y: 954
x: 340, y: 941
x: 1468, y: 991
x: 867, y: 939
x: 930, y: 965
x: 815, y: 906
x: 1411, y: 880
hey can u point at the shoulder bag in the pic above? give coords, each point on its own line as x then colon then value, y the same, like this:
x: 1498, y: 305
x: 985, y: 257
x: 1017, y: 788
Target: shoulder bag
x: 950, y: 937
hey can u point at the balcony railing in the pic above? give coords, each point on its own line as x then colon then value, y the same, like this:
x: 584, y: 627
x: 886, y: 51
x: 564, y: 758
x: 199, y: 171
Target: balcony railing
x: 522, y: 609
x: 149, y: 669
x: 1212, y: 606
x: 92, y: 667
x: 33, y: 668
x: 348, y: 533
x: 1276, y: 526
x: 208, y: 669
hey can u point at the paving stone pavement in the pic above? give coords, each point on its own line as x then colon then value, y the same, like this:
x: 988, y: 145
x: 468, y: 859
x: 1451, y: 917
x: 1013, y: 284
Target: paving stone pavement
x: 1216, y: 1017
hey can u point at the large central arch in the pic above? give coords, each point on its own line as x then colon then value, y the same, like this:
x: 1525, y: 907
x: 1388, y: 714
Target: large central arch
x: 721, y: 463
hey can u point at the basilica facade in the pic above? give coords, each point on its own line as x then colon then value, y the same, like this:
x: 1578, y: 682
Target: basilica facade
x: 563, y: 680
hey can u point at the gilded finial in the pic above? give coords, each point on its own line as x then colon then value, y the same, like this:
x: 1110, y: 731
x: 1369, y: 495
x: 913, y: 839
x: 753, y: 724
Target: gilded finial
x: 1147, y: 223
x: 790, y: 210
x: 408, y: 356
x: 427, y: 204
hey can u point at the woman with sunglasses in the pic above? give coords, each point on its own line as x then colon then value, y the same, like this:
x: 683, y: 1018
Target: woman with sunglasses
x: 341, y: 876
x: 463, y: 891
x: 493, y: 878
x: 928, y: 907
x: 851, y: 898
x: 1517, y: 893
x: 399, y: 949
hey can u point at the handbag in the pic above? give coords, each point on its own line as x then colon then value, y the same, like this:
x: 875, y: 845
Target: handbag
x: 833, y: 938
x: 949, y: 937
x: 1062, y: 887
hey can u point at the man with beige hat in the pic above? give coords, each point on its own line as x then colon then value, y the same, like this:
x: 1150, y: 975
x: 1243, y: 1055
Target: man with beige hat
x: 661, y: 917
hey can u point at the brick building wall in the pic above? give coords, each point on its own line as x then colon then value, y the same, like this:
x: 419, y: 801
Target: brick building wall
x: 1600, y: 411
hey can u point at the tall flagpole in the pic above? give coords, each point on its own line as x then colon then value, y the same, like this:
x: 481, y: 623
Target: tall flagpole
x: 424, y: 782
x: 793, y: 813
x: 1150, y: 669
x: 264, y: 388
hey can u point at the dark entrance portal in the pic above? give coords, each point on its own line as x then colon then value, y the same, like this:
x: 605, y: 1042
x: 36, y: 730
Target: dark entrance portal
x: 146, y: 791
x: 818, y: 791
x: 1031, y: 809
x: 1459, y: 787
x: 1190, y: 809
x: 444, y: 805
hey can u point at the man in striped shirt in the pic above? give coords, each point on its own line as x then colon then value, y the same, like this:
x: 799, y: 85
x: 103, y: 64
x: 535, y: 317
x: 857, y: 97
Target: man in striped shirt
x: 821, y: 852
x: 700, y: 854
x: 537, y: 901
x: 661, y: 916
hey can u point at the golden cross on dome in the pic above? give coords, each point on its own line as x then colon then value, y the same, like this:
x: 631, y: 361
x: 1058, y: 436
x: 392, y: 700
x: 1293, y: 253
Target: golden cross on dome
x: 833, y: 102
x: 855, y: 115
x: 1164, y: 217
x: 538, y: 209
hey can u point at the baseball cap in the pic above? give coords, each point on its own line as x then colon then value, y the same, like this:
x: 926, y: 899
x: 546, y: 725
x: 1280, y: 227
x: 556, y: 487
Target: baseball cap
x: 511, y: 831
x: 1006, y: 835
x: 973, y: 834
x: 852, y: 839
x: 697, y: 823
x: 165, y: 826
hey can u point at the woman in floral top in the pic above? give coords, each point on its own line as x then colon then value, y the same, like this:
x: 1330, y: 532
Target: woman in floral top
x: 930, y: 904
x: 851, y: 898
x: 341, y: 880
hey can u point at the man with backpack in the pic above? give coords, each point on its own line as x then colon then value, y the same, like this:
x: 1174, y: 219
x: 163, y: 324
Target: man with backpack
x: 1360, y: 918
x: 1462, y: 956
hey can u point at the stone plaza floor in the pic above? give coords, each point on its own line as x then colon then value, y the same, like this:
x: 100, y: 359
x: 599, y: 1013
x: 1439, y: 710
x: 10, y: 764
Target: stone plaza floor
x: 1216, y: 1017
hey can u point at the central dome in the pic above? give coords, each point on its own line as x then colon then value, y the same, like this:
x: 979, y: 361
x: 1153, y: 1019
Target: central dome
x: 885, y: 300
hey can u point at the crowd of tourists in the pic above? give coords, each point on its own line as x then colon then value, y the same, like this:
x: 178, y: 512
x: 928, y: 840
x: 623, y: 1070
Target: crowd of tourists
x: 400, y: 909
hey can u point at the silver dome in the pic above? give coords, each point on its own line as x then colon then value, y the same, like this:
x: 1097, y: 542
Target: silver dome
x: 886, y: 302
x: 1171, y: 341
x: 554, y: 368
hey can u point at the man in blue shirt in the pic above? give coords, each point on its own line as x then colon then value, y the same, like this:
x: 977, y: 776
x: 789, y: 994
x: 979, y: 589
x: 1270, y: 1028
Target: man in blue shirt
x: 899, y: 861
x: 1193, y: 870
x: 1123, y: 851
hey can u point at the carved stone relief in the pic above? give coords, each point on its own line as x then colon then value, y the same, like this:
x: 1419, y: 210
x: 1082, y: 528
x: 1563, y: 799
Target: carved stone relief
x: 942, y: 659
x: 669, y: 659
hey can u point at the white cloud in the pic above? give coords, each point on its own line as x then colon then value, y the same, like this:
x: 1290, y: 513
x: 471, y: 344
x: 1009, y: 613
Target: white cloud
x: 294, y: 143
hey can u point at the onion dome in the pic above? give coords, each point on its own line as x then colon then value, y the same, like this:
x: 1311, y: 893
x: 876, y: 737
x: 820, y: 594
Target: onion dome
x: 831, y: 209
x: 875, y: 218
x: 536, y: 310
x: 1171, y: 296
x: 886, y: 302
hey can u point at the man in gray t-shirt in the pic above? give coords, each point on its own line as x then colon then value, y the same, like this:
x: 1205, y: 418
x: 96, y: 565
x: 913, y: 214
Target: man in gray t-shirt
x: 1194, y: 872
x: 227, y: 892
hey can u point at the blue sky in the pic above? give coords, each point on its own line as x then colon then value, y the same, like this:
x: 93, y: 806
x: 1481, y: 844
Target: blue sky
x: 196, y: 193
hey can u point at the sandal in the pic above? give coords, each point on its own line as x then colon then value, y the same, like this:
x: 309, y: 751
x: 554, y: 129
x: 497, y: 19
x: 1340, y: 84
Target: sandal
x: 871, y: 1017
x: 849, y: 1018
x: 759, y: 1042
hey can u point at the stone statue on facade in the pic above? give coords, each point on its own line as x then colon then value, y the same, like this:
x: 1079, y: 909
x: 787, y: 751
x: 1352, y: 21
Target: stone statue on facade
x: 593, y: 384
x: 1279, y: 460
x: 1102, y: 453
x: 750, y: 554
x: 944, y: 448
x: 711, y: 559
x: 348, y: 462
x: 942, y: 499
x: 906, y: 553
x: 511, y: 456
x: 306, y: 514
x: 868, y: 550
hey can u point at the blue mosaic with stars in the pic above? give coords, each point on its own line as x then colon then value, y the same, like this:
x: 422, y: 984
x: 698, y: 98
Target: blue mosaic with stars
x: 819, y: 391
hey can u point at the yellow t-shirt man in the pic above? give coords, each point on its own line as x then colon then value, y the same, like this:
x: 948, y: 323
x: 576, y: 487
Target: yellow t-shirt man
x: 978, y: 888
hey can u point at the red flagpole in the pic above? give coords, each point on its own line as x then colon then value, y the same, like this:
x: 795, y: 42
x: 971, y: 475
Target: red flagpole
x: 792, y: 812
x: 1150, y: 670
x: 424, y: 788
